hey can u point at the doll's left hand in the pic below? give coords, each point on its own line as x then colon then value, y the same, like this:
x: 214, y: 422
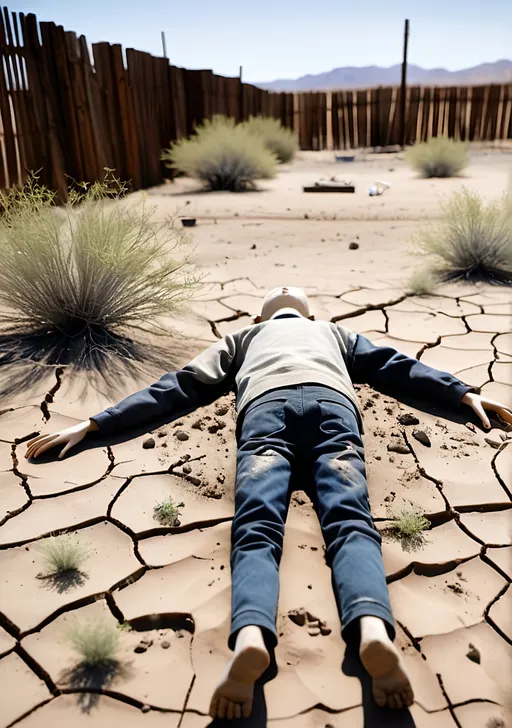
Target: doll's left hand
x: 479, y: 403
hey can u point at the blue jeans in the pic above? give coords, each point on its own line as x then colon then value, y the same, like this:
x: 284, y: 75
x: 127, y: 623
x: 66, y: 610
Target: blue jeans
x: 312, y: 430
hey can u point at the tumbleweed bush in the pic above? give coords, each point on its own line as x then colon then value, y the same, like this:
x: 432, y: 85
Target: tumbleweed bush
x: 63, y: 553
x: 438, y: 157
x: 223, y: 156
x: 278, y: 139
x: 97, y: 643
x: 472, y: 241
x: 422, y: 282
x: 86, y: 275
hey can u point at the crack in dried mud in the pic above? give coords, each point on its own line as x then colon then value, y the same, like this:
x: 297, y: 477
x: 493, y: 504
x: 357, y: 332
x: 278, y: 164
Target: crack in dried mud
x: 182, y: 620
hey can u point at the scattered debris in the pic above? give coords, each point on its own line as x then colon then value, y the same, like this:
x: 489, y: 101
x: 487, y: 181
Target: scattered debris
x: 399, y: 447
x: 473, y: 654
x: 378, y: 188
x: 331, y: 185
x: 222, y: 409
x: 456, y: 588
x: 181, y: 435
x: 353, y: 246
x: 165, y: 645
x: 407, y: 418
x: 422, y: 437
x: 187, y: 469
x: 253, y: 246
x: 149, y: 443
x: 493, y: 443
x: 298, y: 616
x: 193, y: 480
x: 470, y: 426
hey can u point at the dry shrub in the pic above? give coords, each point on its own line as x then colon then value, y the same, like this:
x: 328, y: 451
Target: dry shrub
x: 473, y: 240
x: 63, y: 553
x: 97, y: 643
x: 80, y: 281
x: 438, y: 157
x: 422, y: 282
x: 280, y: 141
x: 223, y: 156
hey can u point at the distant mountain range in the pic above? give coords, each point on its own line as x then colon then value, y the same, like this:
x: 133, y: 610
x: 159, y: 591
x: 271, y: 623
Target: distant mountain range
x: 365, y: 77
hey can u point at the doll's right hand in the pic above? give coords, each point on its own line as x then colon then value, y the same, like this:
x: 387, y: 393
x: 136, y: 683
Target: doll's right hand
x: 70, y: 437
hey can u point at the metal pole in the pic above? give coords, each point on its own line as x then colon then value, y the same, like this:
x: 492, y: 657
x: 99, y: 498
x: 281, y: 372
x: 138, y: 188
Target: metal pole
x: 164, y: 45
x: 403, y: 93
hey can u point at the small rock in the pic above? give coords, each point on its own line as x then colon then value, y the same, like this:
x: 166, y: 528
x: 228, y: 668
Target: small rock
x: 399, y: 447
x: 390, y: 498
x: 193, y: 480
x: 222, y: 409
x: 180, y: 633
x: 470, y: 426
x: 149, y: 443
x: 165, y: 645
x: 141, y: 647
x: 187, y: 469
x: 473, y: 654
x: 422, y: 437
x: 324, y: 629
x: 313, y: 631
x: 198, y: 425
x: 253, y: 246
x: 456, y: 588
x: 306, y: 216
x: 493, y: 443
x: 408, y: 419
x: 353, y: 246
x: 162, y: 433
x: 181, y: 435
x: 145, y: 708
x: 298, y: 617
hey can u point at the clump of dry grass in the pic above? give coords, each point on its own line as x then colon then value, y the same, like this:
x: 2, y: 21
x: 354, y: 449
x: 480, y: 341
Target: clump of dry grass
x: 83, y: 279
x: 97, y: 643
x: 280, y: 141
x: 473, y: 240
x: 438, y: 157
x: 223, y: 156
x: 63, y: 554
x: 422, y: 282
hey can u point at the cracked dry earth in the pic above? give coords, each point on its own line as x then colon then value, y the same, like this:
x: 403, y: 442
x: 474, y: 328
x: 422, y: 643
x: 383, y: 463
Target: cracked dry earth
x: 450, y: 589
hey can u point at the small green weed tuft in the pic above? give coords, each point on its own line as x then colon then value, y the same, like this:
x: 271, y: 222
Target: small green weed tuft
x: 472, y: 241
x: 63, y: 554
x: 438, y: 157
x: 410, y: 522
x: 167, y: 512
x: 223, y: 156
x: 280, y: 141
x: 97, y: 643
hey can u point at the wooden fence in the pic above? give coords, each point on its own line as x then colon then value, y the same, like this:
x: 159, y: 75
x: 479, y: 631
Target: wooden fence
x: 70, y: 117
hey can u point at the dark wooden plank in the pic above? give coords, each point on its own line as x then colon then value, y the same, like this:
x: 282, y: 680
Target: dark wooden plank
x: 17, y: 98
x: 128, y: 128
x: 10, y: 173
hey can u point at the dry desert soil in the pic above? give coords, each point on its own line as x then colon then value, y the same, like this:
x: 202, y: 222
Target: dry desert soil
x: 450, y: 588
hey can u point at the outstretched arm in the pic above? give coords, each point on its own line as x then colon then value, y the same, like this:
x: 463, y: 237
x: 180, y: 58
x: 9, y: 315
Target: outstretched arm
x: 396, y: 374
x: 203, y: 380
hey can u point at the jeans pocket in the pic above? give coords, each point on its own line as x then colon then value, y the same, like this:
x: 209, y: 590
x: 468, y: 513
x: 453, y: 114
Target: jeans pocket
x: 263, y: 418
x: 336, y: 417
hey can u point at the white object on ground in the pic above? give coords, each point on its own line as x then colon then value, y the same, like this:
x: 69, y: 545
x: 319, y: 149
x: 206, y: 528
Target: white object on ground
x: 377, y: 188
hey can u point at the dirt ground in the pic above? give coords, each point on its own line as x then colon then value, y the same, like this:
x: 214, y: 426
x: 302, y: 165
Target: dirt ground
x: 450, y: 589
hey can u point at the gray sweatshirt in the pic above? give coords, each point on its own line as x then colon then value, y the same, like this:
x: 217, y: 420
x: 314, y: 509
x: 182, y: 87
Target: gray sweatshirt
x: 285, y: 351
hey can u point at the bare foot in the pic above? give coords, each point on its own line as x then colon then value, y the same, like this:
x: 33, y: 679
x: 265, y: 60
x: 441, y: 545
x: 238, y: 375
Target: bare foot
x: 233, y: 695
x: 391, y: 685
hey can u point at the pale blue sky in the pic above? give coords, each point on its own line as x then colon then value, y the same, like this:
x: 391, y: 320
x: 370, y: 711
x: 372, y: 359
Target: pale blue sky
x: 289, y: 38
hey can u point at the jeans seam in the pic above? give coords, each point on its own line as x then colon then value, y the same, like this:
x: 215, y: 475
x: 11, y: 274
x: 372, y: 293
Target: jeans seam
x: 364, y: 599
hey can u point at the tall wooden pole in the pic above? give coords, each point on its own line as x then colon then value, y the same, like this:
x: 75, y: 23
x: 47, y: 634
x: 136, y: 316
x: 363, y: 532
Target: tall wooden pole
x: 403, y: 93
x: 241, y: 109
x: 164, y: 45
